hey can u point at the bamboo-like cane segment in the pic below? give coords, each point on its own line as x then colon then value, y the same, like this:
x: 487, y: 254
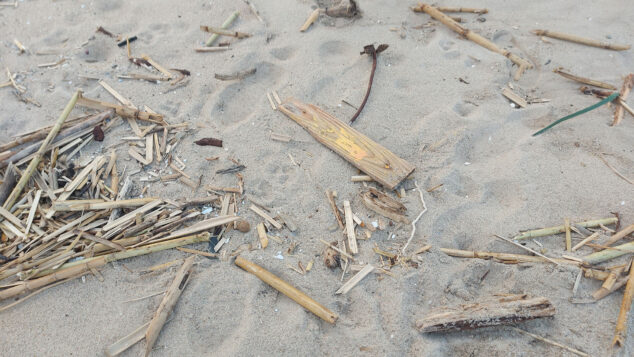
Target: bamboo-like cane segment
x: 288, y: 290
x: 608, y: 254
x: 168, y: 303
x: 76, y: 268
x: 560, y: 71
x: 507, y: 258
x: 225, y: 25
x: 93, y: 205
x: 223, y: 32
x: 310, y: 20
x: 625, y: 92
x: 472, y: 36
x: 581, y: 40
x: 603, y: 292
x: 619, y: 235
x: 26, y: 175
x: 626, y: 305
x: 542, y: 232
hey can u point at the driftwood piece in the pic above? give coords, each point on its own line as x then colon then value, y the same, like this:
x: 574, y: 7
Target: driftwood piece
x: 384, y: 205
x: 310, y: 20
x: 352, y: 237
x: 355, y: 279
x: 373, y: 159
x: 224, y: 32
x: 494, y: 312
x: 168, y: 303
x: 287, y: 289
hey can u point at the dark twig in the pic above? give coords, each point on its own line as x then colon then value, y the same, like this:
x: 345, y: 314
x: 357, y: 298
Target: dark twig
x: 370, y: 50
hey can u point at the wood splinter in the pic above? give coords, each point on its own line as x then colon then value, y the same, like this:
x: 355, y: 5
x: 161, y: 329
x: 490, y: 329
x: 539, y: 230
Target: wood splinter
x: 626, y: 305
x: 496, y: 311
x: 288, y: 290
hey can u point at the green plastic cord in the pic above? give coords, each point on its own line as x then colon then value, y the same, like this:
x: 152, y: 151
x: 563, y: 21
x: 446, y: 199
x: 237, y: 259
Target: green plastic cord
x: 584, y: 110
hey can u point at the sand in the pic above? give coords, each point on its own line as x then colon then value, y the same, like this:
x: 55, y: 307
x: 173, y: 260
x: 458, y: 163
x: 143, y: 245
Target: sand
x: 496, y: 178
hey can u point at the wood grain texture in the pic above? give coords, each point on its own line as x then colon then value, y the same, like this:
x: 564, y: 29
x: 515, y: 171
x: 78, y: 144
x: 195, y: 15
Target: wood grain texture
x: 496, y: 311
x: 366, y: 155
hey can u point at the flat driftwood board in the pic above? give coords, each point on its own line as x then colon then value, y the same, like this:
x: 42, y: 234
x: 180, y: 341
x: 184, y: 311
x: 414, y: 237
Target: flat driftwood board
x: 366, y: 155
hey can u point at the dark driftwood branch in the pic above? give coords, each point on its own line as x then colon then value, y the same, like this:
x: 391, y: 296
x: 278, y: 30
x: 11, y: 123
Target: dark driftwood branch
x: 497, y: 311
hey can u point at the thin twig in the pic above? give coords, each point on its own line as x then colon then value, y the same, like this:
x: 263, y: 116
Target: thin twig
x: 551, y: 342
x: 614, y: 170
x: 526, y: 248
x: 417, y: 218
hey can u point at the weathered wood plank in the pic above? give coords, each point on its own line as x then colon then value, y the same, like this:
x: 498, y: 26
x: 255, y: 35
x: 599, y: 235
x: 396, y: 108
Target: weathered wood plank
x: 496, y: 311
x: 371, y: 158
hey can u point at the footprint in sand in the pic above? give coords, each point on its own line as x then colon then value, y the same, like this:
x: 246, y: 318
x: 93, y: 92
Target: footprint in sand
x: 283, y: 53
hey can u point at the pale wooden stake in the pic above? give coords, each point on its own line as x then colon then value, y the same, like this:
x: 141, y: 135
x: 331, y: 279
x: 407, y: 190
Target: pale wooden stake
x: 264, y: 240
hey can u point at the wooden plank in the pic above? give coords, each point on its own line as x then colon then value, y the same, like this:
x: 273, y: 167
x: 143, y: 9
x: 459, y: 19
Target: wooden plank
x: 366, y: 155
x: 352, y: 238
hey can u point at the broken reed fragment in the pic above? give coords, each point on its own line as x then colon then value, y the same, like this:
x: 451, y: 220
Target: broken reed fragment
x: 591, y: 82
x: 628, y: 83
x: 310, y: 20
x: 542, y: 232
x: 495, y: 311
x: 167, y: 304
x: 369, y: 50
x: 288, y: 290
x: 224, y: 32
x: 582, y: 111
x: 580, y: 40
x: 480, y: 40
x: 225, y: 25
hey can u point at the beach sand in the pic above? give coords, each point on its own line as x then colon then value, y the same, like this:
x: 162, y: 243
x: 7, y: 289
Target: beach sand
x: 496, y: 178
